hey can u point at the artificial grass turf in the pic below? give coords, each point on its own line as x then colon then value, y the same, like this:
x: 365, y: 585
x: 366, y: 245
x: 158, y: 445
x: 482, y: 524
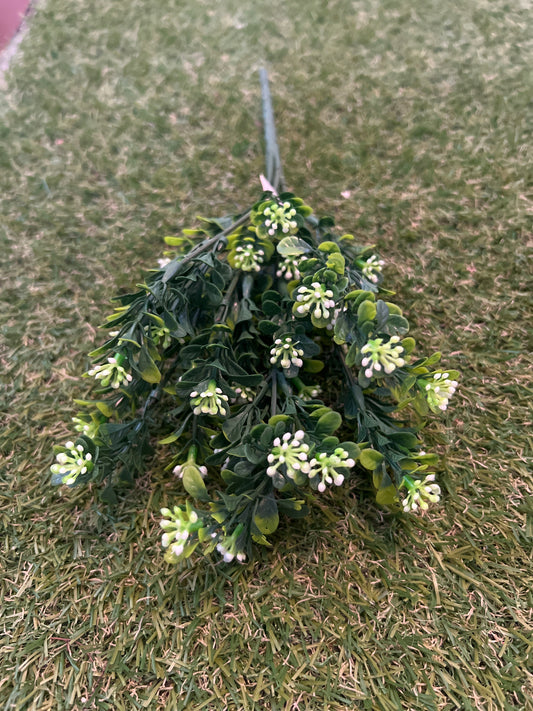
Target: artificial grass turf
x: 123, y: 121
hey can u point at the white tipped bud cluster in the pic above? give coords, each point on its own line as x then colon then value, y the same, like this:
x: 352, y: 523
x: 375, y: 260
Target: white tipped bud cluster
x: 280, y: 218
x: 372, y: 268
x: 245, y: 394
x: 178, y: 525
x: 310, y: 392
x: 228, y: 547
x: 285, y: 353
x: 161, y: 336
x: 289, y: 455
x: 72, y: 462
x: 288, y: 267
x: 336, y: 312
x: 248, y: 258
x: 178, y: 470
x: 228, y: 553
x: 112, y: 374
x: 212, y: 401
x: 420, y: 493
x: 315, y: 299
x: 89, y: 429
x: 439, y: 390
x: 326, y: 465
x: 380, y: 356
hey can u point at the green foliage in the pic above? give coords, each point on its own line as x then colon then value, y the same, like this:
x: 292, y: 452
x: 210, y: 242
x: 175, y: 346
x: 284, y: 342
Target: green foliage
x: 226, y: 336
x: 421, y: 110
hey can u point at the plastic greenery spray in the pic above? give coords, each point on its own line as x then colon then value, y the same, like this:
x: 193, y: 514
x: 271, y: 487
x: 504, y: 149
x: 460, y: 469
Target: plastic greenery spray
x: 279, y: 368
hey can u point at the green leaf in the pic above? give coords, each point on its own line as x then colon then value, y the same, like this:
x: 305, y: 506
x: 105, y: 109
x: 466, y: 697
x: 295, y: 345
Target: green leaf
x: 252, y: 454
x: 249, y: 381
x: 57, y: 479
x: 429, y: 459
x: 318, y: 322
x: 408, y: 344
x: 271, y: 295
x: 351, y: 355
x: 267, y: 436
x: 190, y: 548
x: 393, y: 308
x: 266, y: 516
x: 358, y: 295
x: 155, y: 318
x: 329, y: 247
x: 233, y: 427
x: 328, y: 423
x: 217, y: 224
x: 396, y: 325
x: 102, y: 350
x: 177, y: 241
x: 370, y: 459
x: 212, y: 293
x: 193, y: 482
x: 171, y: 270
x: 420, y: 404
x: 363, y: 381
x: 293, y: 508
x: 229, y: 477
x: 104, y: 408
x: 278, y: 418
x: 267, y: 327
x: 147, y: 368
x: 217, y: 278
x: 320, y: 410
x: 292, y: 246
x: 261, y: 540
x: 244, y: 313
x: 453, y: 374
x: 387, y: 496
x: 342, y: 283
x: 405, y: 439
x: 366, y: 312
x: 382, y: 314
x: 308, y: 264
x: 102, y: 405
x: 352, y: 449
x: 328, y: 275
x: 326, y: 222
x: 270, y: 308
x: 168, y: 440
x: 336, y: 262
x: 435, y: 358
x: 257, y: 431
x: 330, y: 443
x: 312, y: 366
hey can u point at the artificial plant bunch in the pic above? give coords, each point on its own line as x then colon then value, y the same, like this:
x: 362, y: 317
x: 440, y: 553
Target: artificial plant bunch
x: 280, y: 367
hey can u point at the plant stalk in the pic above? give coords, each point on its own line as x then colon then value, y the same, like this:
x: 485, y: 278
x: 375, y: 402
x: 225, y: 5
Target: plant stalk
x: 203, y: 247
x: 274, y: 169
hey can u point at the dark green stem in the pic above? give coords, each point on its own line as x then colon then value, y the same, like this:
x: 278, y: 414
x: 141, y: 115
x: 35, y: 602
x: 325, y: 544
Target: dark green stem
x: 274, y: 170
x: 274, y: 394
x: 347, y: 371
x: 204, y: 247
x: 263, y: 390
x: 225, y: 304
x: 353, y: 384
